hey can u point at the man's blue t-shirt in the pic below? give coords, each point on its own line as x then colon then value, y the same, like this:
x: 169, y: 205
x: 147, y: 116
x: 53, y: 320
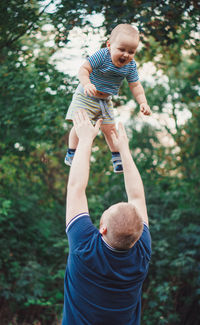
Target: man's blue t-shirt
x: 103, y: 285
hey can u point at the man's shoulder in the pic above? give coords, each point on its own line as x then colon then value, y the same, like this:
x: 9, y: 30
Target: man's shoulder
x: 73, y: 221
x: 145, y: 241
x: 80, y: 221
x: 80, y: 229
x: 83, y: 238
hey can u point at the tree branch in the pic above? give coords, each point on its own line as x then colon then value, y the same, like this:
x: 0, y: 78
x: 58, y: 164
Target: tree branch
x: 7, y: 44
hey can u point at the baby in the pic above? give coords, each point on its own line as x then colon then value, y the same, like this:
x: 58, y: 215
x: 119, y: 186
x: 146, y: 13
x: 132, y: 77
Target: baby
x: 100, y: 77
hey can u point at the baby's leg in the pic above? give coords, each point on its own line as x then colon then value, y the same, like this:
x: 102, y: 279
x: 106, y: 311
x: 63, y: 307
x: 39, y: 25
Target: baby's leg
x: 73, y: 142
x: 106, y: 129
x: 73, y: 139
x: 116, y: 158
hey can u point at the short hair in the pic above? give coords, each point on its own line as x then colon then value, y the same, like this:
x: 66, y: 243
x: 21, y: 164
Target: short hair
x: 124, y: 28
x: 124, y: 226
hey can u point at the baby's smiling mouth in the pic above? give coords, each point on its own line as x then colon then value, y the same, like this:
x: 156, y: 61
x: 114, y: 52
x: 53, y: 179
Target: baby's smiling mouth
x: 122, y: 60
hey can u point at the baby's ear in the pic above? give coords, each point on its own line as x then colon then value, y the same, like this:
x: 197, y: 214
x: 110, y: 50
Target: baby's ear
x: 108, y: 44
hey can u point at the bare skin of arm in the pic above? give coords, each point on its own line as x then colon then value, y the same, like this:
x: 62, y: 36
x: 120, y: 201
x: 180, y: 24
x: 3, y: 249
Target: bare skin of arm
x: 139, y: 94
x: 79, y: 171
x: 83, y: 75
x: 133, y: 182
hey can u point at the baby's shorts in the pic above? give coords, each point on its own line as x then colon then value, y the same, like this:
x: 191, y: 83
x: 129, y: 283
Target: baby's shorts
x: 96, y: 108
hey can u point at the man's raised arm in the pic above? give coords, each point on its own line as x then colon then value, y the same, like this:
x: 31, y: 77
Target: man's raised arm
x: 79, y: 171
x: 133, y: 182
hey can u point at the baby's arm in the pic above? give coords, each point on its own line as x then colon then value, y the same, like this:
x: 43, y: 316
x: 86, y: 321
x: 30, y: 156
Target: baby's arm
x: 138, y: 92
x: 83, y: 75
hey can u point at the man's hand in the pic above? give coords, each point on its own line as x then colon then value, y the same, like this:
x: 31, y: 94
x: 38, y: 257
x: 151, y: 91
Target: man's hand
x: 120, y: 139
x: 84, y: 128
x: 90, y: 89
x: 145, y: 109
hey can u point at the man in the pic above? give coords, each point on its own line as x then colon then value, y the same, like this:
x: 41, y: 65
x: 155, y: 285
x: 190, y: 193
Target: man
x: 106, y: 267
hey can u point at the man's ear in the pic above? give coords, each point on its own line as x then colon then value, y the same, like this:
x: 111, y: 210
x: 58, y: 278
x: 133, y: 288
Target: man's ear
x: 103, y: 230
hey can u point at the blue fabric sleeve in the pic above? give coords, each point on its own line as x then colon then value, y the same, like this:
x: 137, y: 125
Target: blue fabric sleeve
x: 145, y: 240
x: 79, y: 231
x: 97, y: 59
x: 133, y: 74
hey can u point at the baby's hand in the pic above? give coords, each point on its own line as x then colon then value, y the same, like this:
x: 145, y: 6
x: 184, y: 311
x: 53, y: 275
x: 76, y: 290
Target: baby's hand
x: 145, y: 109
x: 90, y: 89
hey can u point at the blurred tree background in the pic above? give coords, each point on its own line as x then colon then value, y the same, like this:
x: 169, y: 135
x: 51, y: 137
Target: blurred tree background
x: 166, y: 147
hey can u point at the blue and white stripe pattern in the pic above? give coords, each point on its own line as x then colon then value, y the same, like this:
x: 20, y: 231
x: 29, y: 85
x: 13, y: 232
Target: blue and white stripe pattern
x: 75, y: 218
x: 106, y: 76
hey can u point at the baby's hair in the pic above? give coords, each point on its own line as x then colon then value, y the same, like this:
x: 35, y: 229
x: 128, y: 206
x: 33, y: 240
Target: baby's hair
x: 124, y: 28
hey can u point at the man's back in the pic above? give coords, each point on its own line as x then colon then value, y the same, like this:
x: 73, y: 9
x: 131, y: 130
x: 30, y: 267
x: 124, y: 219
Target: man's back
x: 103, y: 285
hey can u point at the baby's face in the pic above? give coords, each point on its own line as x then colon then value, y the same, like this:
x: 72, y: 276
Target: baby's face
x: 122, y: 49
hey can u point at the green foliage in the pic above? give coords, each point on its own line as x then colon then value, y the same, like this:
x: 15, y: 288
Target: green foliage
x: 168, y: 23
x: 173, y: 202
x: 33, y: 179
x: 33, y: 104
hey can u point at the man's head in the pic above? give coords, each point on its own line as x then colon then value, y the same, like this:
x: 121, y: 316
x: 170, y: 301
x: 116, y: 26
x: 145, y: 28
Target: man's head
x: 123, y: 43
x: 121, y: 225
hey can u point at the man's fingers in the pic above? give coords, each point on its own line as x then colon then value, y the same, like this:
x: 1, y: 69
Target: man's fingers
x: 83, y: 114
x: 75, y: 119
x: 98, y: 124
x: 113, y: 136
x: 79, y: 117
x: 121, y: 128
